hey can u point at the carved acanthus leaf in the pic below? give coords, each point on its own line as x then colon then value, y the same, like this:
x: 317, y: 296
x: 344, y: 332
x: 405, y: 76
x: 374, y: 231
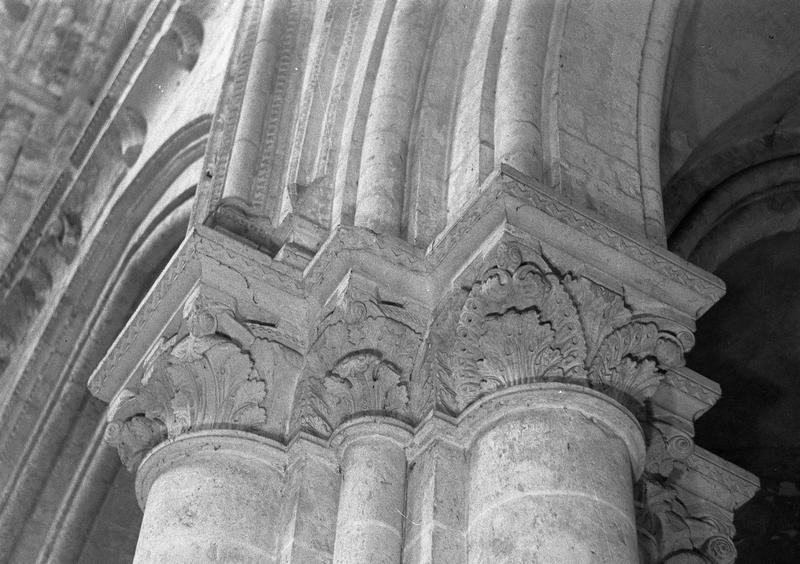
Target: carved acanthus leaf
x: 516, y: 326
x: 217, y: 376
x: 360, y: 363
x: 522, y: 321
x: 365, y: 382
x: 601, y: 311
x: 218, y: 388
x: 625, y: 362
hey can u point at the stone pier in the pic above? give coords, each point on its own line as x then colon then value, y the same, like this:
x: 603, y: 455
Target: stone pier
x: 423, y: 313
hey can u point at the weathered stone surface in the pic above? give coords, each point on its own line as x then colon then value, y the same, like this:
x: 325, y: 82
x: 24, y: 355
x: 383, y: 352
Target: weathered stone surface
x: 422, y: 311
x: 524, y: 320
x: 369, y: 525
x: 309, y: 504
x: 217, y: 375
x: 436, y: 504
x: 211, y: 496
x: 551, y: 476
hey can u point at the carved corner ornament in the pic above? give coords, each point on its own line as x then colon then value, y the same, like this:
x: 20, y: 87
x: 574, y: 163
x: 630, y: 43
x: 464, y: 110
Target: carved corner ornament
x: 667, y: 451
x: 523, y: 321
x: 216, y: 376
x: 673, y: 527
x: 360, y: 363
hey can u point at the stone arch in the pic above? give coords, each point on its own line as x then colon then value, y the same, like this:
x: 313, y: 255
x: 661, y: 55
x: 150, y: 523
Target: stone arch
x: 758, y: 202
x: 762, y: 133
x: 63, y: 472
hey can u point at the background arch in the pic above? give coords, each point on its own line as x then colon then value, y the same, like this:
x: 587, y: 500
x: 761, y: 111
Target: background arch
x: 45, y: 503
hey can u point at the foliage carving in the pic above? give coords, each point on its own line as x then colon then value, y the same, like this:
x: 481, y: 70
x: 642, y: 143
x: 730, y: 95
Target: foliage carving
x: 360, y: 363
x: 216, y: 376
x: 524, y: 321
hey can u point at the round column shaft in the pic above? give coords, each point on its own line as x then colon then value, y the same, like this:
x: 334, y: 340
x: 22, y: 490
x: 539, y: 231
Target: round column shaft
x: 210, y: 496
x: 369, y: 525
x: 551, y: 477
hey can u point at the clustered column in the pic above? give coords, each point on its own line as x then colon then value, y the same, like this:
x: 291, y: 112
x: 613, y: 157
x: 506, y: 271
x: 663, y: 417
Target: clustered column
x: 534, y: 468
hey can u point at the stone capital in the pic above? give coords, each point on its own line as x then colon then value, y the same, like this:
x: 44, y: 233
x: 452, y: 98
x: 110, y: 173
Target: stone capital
x: 213, y: 373
x: 528, y: 319
x: 686, y: 500
x: 361, y: 358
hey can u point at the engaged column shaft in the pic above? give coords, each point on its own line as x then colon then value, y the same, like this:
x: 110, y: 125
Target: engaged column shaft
x: 551, y: 478
x: 210, y: 497
x: 369, y: 527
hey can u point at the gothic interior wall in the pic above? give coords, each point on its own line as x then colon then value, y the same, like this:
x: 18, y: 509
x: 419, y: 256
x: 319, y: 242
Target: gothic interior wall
x: 106, y: 162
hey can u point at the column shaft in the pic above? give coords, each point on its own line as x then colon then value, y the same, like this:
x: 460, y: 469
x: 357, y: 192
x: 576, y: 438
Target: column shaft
x: 551, y: 480
x: 369, y: 526
x: 210, y: 496
x: 382, y: 178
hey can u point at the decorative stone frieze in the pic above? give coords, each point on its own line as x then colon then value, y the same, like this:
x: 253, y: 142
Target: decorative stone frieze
x: 215, y: 373
x: 526, y: 321
x: 361, y: 360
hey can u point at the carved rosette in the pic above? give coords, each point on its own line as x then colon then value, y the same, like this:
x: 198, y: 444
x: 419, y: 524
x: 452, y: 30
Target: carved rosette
x: 360, y: 364
x: 523, y: 321
x: 216, y: 376
x: 672, y: 528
